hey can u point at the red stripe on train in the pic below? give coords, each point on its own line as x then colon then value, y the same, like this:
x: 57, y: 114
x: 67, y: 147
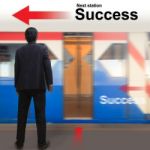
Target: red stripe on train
x: 59, y: 36
x: 19, y: 36
x: 110, y: 36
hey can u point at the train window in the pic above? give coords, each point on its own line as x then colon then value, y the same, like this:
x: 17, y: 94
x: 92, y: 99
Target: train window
x: 115, y: 56
x: 115, y: 51
x: 7, y: 59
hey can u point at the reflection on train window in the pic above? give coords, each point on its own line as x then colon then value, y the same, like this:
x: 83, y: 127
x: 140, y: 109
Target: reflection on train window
x: 115, y: 51
x: 68, y: 58
x: 51, y: 55
x: 148, y: 35
x: 88, y: 58
x: 7, y: 59
x: 147, y: 62
x: 115, y: 56
x: 148, y: 52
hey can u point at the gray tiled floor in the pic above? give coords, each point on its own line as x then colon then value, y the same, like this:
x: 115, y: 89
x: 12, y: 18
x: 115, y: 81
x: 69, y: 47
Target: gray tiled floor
x: 94, y: 137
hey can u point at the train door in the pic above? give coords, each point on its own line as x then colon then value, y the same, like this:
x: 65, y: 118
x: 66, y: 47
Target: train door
x: 78, y: 77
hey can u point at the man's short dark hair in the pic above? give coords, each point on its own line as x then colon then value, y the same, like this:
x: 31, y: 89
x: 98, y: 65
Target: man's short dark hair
x: 31, y: 34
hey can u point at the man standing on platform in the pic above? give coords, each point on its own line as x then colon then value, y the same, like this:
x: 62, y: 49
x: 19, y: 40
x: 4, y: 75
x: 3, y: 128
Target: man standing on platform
x: 32, y: 74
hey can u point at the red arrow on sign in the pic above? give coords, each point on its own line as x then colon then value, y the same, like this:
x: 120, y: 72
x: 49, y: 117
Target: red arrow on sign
x: 25, y: 15
x: 127, y: 88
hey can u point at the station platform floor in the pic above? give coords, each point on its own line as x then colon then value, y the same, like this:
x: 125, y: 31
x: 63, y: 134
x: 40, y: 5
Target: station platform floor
x: 92, y: 137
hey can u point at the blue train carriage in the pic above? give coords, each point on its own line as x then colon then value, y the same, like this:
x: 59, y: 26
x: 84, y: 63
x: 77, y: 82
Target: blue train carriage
x: 98, y: 77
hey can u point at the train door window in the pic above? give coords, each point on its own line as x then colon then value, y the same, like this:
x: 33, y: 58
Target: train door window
x: 78, y: 83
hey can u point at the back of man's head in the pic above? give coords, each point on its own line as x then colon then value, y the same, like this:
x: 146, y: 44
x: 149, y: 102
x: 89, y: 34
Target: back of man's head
x: 31, y: 34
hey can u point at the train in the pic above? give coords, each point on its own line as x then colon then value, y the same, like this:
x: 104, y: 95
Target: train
x: 99, y: 77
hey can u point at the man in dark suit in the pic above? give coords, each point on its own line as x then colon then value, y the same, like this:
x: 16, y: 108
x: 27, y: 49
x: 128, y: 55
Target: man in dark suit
x: 32, y: 74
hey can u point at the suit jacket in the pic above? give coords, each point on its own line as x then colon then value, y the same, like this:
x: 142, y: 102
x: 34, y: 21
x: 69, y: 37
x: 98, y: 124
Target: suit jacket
x: 32, y: 67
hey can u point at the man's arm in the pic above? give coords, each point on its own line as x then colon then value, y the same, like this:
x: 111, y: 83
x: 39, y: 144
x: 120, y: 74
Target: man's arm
x: 16, y: 69
x: 48, y: 69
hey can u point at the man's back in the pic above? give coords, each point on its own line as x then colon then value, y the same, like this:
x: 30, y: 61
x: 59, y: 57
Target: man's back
x: 32, y: 67
x: 32, y: 71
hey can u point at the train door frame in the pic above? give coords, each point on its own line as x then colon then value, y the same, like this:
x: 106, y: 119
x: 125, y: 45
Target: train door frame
x: 79, y: 36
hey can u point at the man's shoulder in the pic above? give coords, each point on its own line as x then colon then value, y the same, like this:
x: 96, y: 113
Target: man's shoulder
x: 20, y: 49
x: 42, y: 45
x: 39, y: 46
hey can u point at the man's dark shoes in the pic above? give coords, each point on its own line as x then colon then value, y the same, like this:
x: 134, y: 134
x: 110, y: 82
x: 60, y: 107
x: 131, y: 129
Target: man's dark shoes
x: 18, y: 145
x: 44, y: 146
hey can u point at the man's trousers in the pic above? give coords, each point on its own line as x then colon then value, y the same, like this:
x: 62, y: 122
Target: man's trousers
x: 25, y: 97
